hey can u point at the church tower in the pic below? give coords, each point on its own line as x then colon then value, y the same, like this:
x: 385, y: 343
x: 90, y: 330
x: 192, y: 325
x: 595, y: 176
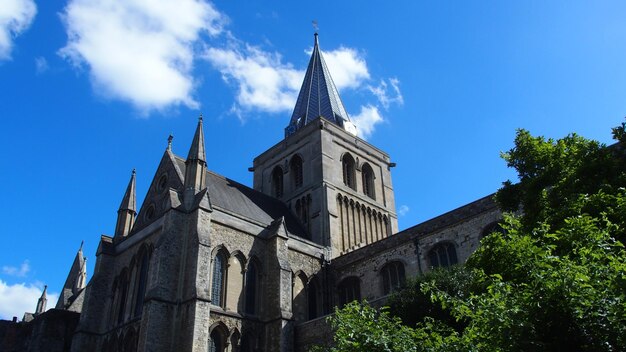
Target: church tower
x: 337, y: 184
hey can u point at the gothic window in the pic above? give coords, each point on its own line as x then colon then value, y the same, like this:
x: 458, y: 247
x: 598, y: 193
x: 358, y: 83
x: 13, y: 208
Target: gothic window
x: 348, y: 171
x: 233, y: 298
x: 299, y: 296
x: 114, y: 298
x: 235, y: 340
x: 393, y: 277
x: 150, y: 212
x: 299, y: 209
x: 217, y: 285
x: 368, y: 181
x: 162, y: 184
x: 141, y: 284
x: 277, y: 182
x: 216, y: 341
x: 442, y: 255
x: 491, y: 228
x: 314, y: 299
x: 349, y: 290
x: 251, y: 288
x: 302, y: 209
x: 122, y: 300
x: 296, y: 171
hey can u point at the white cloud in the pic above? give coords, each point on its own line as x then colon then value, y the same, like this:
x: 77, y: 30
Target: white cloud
x: 17, y: 299
x: 266, y: 83
x: 41, y: 64
x: 366, y: 120
x: 15, y: 17
x: 347, y: 67
x: 387, y: 94
x: 141, y: 51
x: 403, y: 210
x: 263, y: 81
x: 15, y: 271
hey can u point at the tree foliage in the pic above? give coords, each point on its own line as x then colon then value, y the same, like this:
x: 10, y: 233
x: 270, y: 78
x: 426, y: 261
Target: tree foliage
x: 412, y: 305
x: 554, y: 279
x: 554, y: 174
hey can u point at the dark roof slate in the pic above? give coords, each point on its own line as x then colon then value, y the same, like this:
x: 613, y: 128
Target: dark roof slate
x: 318, y: 97
x: 244, y: 201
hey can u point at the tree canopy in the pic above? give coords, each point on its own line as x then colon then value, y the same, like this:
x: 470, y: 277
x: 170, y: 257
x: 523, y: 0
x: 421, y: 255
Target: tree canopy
x: 553, y: 279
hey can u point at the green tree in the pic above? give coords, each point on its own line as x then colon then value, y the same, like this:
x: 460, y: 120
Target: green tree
x: 412, y: 305
x: 554, y: 174
x: 554, y: 279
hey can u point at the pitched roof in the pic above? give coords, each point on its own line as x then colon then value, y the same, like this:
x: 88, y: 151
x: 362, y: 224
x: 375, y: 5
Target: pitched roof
x: 318, y: 97
x: 246, y: 202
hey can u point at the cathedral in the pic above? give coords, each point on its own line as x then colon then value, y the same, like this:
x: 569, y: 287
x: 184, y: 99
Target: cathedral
x: 209, y: 264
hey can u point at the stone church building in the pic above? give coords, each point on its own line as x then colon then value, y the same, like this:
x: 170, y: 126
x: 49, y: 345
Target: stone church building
x: 208, y: 264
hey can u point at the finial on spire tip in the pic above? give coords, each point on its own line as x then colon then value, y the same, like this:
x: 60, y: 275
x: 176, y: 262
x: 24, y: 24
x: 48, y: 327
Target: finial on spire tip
x: 169, y: 141
x: 81, y: 245
x: 134, y: 171
x: 200, y: 118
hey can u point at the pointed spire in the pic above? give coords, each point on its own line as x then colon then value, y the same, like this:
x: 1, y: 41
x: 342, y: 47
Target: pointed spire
x: 42, y: 301
x: 128, y: 209
x: 197, y: 152
x: 129, y: 202
x: 318, y: 97
x: 81, y: 280
x: 195, y: 170
x: 75, y: 282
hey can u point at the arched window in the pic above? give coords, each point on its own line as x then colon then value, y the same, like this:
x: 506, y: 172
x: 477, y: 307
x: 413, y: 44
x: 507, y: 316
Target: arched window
x: 114, y: 298
x: 251, y: 288
x: 348, y: 171
x: 302, y: 208
x: 491, y: 228
x: 277, y: 182
x: 442, y: 255
x: 368, y: 181
x: 217, y: 341
x: 314, y: 298
x: 393, y: 277
x: 122, y: 302
x: 217, y: 285
x: 233, y: 298
x: 141, y: 284
x: 299, y: 297
x: 235, y: 341
x: 296, y: 171
x: 349, y: 290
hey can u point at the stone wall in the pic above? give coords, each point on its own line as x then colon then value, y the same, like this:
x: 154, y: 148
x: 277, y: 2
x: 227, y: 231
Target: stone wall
x: 311, y: 333
x: 51, y: 332
x: 462, y: 228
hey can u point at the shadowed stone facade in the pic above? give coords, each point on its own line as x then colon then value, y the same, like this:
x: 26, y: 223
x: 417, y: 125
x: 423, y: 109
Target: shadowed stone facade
x: 208, y: 264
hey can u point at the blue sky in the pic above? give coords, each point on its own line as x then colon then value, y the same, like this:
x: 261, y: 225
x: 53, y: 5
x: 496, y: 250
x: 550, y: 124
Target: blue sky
x: 90, y: 89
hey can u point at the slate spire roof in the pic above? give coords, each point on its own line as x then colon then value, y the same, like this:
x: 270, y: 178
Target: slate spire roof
x: 129, y: 202
x: 43, y: 301
x: 75, y: 282
x: 318, y: 97
x: 196, y: 151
